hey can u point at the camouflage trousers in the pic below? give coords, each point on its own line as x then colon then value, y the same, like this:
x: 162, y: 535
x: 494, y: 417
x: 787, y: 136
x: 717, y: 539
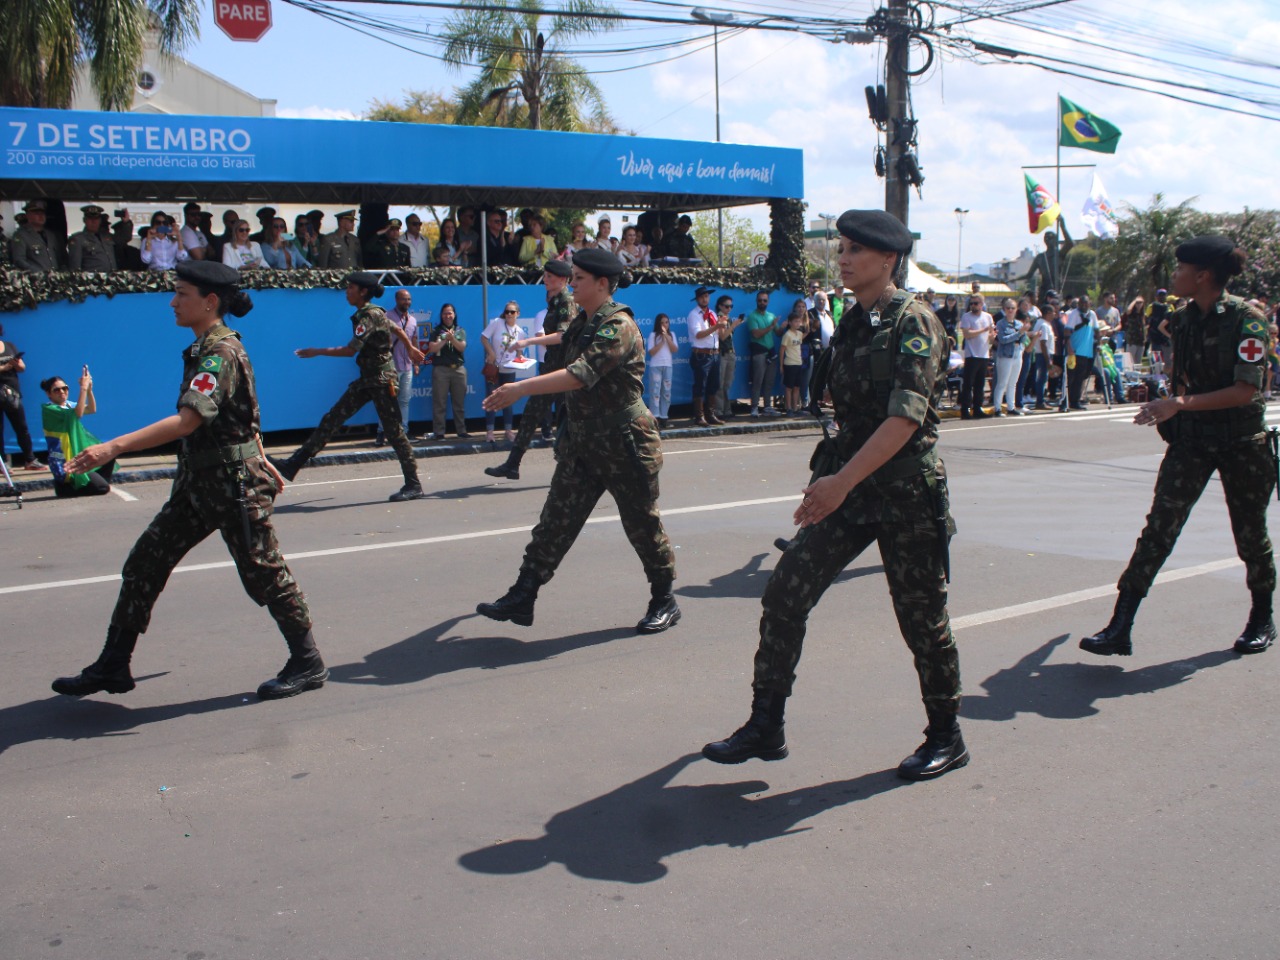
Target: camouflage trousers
x: 357, y: 394
x: 1248, y: 479
x: 917, y: 585
x: 576, y: 487
x: 200, y: 503
x: 536, y: 409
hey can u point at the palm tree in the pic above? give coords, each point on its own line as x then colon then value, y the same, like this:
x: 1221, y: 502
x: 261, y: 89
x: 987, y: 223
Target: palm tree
x: 43, y: 42
x: 1141, y: 258
x: 526, y: 77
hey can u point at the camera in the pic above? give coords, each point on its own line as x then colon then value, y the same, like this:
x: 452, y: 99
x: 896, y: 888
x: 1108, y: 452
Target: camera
x: 164, y: 229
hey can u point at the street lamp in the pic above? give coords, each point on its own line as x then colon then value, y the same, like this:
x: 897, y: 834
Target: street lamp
x: 960, y: 215
x: 717, y: 19
x: 826, y: 249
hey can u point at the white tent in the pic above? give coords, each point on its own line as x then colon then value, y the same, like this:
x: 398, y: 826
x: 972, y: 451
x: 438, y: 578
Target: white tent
x: 921, y: 280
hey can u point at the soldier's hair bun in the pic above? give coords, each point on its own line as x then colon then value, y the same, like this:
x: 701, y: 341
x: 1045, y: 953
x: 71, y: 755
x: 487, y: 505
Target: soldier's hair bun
x: 377, y: 291
x: 624, y: 280
x: 1233, y: 264
x: 239, y: 303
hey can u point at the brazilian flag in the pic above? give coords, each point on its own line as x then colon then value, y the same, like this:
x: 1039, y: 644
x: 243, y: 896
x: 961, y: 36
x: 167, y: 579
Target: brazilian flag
x: 1080, y: 128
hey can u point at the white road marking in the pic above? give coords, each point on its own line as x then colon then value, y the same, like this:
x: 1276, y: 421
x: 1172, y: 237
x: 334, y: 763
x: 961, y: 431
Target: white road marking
x: 1080, y: 596
x: 123, y: 494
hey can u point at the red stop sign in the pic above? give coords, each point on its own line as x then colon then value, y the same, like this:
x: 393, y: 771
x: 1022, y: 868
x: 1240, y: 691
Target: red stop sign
x: 243, y: 19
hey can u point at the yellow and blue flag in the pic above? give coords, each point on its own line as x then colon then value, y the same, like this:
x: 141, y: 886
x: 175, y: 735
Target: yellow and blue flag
x: 1087, y: 131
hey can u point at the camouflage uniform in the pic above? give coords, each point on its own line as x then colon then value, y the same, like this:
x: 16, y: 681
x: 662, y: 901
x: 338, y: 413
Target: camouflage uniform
x: 218, y: 384
x: 372, y: 340
x: 89, y: 252
x: 902, y: 506
x: 560, y: 310
x: 36, y: 250
x: 608, y: 442
x: 339, y: 252
x: 1211, y: 353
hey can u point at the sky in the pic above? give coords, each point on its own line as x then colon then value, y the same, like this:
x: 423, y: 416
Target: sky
x: 978, y: 124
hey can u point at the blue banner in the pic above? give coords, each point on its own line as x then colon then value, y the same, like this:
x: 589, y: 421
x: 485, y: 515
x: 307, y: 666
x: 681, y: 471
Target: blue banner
x: 57, y: 145
x: 133, y: 348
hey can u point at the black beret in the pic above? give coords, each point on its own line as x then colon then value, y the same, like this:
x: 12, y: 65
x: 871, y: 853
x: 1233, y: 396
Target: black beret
x: 365, y: 279
x: 875, y: 229
x: 208, y: 273
x: 1206, y: 251
x: 559, y: 268
x: 598, y: 263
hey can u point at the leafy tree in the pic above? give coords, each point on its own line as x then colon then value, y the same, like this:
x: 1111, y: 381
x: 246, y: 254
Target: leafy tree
x: 741, y: 238
x: 43, y: 42
x: 1141, y: 259
x: 416, y: 106
x: 527, y: 79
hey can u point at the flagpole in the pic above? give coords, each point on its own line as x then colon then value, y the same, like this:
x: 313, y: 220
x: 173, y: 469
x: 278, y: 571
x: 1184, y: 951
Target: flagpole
x: 1057, y: 186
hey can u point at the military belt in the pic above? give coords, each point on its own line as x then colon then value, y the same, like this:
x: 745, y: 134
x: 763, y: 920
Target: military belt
x: 236, y: 453
x: 904, y: 467
x: 1183, y: 428
x: 599, y: 425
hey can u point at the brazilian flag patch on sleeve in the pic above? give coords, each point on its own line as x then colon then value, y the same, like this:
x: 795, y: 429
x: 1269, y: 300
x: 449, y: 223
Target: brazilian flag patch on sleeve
x: 915, y: 345
x: 1255, y: 327
x: 211, y: 364
x: 608, y: 332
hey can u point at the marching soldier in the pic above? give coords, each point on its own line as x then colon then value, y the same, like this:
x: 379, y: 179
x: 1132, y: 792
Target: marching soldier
x: 560, y: 313
x: 340, y: 250
x: 34, y: 246
x: 878, y: 481
x: 224, y: 483
x: 370, y: 344
x: 1213, y: 422
x: 610, y: 444
x: 88, y: 250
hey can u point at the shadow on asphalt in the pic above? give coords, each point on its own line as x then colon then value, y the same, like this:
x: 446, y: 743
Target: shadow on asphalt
x: 625, y: 835
x: 325, y: 504
x: 67, y: 718
x: 749, y: 581
x: 440, y: 650
x: 1069, y: 691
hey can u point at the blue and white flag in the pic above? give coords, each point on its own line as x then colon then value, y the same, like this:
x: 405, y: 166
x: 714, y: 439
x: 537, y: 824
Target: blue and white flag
x: 1098, y: 216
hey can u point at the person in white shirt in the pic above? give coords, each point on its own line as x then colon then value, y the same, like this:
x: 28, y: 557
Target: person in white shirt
x: 161, y: 249
x: 499, y: 341
x: 1043, y: 342
x: 241, y: 252
x: 704, y: 363
x: 193, y: 238
x: 660, y: 357
x: 603, y: 238
x: 419, y: 246
x: 975, y: 328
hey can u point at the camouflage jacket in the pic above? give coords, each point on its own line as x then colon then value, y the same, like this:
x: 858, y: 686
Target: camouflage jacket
x: 1215, y: 350
x: 560, y: 312
x: 371, y: 338
x: 218, y: 384
x: 917, y: 376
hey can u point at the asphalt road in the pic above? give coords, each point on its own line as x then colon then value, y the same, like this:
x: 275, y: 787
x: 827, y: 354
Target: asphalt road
x: 466, y: 789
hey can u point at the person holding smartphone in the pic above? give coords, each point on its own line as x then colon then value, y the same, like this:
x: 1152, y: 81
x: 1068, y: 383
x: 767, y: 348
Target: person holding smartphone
x: 728, y: 353
x: 67, y: 438
x: 160, y: 247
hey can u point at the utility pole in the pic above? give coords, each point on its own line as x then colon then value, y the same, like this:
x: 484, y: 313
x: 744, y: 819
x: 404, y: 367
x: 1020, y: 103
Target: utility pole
x: 897, y: 199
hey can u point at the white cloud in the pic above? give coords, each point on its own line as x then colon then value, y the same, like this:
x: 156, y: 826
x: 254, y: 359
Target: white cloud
x: 315, y: 112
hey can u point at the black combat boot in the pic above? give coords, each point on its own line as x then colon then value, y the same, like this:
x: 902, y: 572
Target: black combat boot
x: 662, y: 612
x: 288, y: 468
x: 1114, y: 637
x: 763, y: 735
x: 943, y: 749
x: 516, y: 604
x: 511, y: 469
x: 110, y: 672
x: 1260, y: 631
x: 410, y: 491
x: 303, y: 671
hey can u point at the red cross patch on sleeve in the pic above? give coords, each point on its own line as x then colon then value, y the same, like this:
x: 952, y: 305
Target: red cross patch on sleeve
x: 1251, y: 349
x: 360, y: 330
x: 204, y: 383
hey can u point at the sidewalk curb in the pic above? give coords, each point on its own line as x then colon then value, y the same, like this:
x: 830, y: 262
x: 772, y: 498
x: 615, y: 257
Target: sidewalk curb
x: 451, y: 449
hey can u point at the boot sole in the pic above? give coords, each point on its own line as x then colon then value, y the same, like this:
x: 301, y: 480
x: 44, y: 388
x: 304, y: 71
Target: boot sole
x: 114, y: 688
x: 955, y: 764
x: 675, y: 618
x: 780, y: 753
x: 1109, y: 652
x: 1240, y: 648
x: 518, y: 619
